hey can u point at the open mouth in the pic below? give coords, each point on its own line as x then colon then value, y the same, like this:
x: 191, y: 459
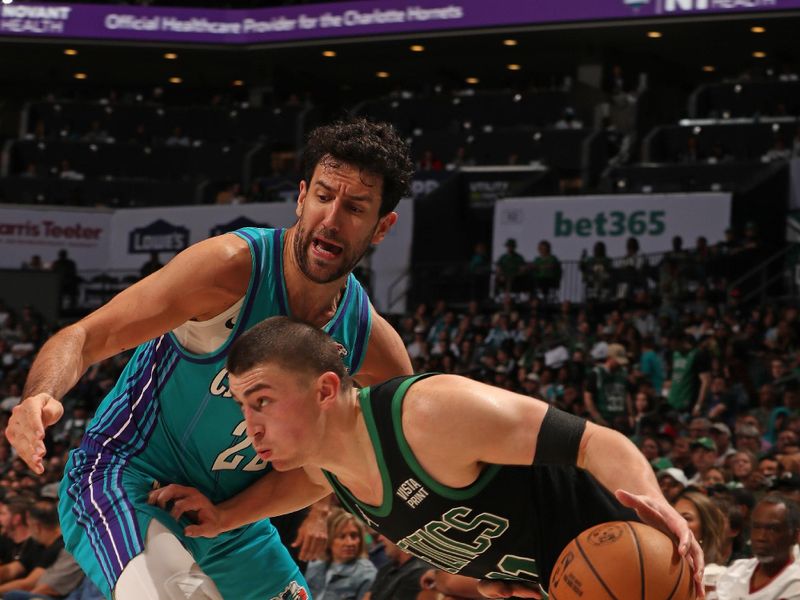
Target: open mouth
x: 325, y: 248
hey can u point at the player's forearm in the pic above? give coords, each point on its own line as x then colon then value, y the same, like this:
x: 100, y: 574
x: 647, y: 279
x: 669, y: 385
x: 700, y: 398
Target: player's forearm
x: 58, y: 366
x: 615, y: 462
x: 276, y: 493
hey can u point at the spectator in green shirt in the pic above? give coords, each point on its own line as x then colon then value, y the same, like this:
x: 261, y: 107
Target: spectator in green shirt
x: 510, y: 268
x: 546, y: 270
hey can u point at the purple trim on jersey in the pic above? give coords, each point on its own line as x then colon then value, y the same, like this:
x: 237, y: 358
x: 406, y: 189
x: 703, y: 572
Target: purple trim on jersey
x: 239, y: 328
x: 277, y: 268
x: 126, y: 423
x: 95, y: 507
x: 101, y: 503
x: 99, y: 422
x: 362, y: 333
x: 82, y: 518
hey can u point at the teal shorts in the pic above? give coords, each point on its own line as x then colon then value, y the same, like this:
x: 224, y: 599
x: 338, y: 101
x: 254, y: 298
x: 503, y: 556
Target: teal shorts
x: 104, y: 519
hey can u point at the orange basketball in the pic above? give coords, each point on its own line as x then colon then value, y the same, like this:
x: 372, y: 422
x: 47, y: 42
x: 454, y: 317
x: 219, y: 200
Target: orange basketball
x: 621, y: 560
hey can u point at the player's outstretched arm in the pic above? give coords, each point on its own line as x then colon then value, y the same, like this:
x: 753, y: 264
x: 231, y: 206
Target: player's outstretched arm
x: 276, y: 493
x: 386, y: 354
x: 455, y: 425
x: 199, y: 282
x: 632, y: 480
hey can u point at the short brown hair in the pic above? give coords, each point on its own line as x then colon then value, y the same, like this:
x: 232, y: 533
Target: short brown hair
x: 375, y: 147
x: 293, y: 345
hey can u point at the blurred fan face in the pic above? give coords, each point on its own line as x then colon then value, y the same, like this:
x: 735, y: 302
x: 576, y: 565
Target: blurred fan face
x: 770, y: 535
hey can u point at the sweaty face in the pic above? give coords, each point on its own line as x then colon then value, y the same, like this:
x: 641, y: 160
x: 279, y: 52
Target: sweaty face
x: 338, y: 220
x: 279, y: 410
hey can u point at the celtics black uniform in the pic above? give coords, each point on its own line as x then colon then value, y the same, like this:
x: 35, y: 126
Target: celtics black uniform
x: 512, y: 523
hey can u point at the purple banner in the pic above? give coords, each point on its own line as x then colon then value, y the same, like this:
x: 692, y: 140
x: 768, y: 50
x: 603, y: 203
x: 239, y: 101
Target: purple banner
x: 346, y: 19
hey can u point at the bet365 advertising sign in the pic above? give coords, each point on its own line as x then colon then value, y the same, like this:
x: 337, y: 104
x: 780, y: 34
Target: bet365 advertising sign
x: 573, y: 224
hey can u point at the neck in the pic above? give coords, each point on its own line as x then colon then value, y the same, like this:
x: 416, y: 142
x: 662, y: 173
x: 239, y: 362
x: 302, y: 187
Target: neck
x: 771, y: 569
x: 309, y: 301
x: 50, y: 536
x: 20, y: 534
x: 346, y: 451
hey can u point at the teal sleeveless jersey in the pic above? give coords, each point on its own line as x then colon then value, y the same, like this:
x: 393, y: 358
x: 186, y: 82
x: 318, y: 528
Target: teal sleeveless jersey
x: 171, y: 419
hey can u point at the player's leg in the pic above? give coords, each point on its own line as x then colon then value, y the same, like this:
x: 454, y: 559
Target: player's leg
x: 252, y: 564
x: 165, y: 570
x: 115, y: 536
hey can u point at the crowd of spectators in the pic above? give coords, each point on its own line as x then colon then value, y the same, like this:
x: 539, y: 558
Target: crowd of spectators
x: 709, y: 390
x: 33, y: 562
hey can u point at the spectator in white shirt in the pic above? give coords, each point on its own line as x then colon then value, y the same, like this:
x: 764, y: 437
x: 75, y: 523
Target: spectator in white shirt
x: 773, y: 573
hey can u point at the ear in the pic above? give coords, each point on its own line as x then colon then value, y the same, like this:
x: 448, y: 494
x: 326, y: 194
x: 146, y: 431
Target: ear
x: 328, y: 385
x: 384, y: 225
x: 301, y: 198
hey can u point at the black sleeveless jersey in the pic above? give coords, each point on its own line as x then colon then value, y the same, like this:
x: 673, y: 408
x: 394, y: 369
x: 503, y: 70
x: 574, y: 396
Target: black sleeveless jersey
x: 511, y: 523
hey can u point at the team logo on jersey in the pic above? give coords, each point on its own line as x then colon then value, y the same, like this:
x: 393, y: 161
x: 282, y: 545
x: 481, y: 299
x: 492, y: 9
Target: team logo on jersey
x: 294, y: 591
x: 365, y: 518
x: 342, y: 350
x: 220, y: 386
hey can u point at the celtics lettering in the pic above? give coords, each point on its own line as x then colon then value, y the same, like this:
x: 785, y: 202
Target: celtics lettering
x: 441, y: 543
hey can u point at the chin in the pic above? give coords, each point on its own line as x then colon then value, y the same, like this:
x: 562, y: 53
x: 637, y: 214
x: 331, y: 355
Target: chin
x: 283, y: 465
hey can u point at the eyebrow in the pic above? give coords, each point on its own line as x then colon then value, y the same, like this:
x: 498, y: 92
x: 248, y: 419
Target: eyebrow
x: 256, y: 388
x: 356, y: 197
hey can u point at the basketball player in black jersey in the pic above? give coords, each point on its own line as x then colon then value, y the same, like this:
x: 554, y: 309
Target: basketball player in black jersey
x: 471, y: 478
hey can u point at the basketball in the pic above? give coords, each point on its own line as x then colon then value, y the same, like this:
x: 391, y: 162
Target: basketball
x: 621, y: 560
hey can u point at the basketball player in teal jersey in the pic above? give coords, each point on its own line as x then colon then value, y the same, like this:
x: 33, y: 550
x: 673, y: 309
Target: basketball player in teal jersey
x: 170, y: 417
x: 473, y: 479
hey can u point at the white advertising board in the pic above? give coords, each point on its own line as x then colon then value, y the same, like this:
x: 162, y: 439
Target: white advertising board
x: 25, y: 231
x: 573, y: 224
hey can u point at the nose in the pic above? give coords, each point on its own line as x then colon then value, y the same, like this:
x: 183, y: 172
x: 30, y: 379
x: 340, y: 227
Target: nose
x: 333, y: 211
x: 255, y: 430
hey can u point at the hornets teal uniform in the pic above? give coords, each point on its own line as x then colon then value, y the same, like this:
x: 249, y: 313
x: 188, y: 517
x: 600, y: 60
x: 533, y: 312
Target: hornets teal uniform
x: 171, y: 419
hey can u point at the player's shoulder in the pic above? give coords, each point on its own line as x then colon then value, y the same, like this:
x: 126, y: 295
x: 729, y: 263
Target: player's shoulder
x: 435, y: 400
x: 228, y: 254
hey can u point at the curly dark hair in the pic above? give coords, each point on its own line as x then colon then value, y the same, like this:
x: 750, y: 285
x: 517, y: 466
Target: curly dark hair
x: 373, y: 147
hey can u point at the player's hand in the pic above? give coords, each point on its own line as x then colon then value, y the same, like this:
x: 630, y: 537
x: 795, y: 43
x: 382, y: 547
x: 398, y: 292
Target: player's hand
x: 492, y: 588
x: 658, y: 513
x: 312, y: 536
x: 180, y: 500
x: 25, y: 430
